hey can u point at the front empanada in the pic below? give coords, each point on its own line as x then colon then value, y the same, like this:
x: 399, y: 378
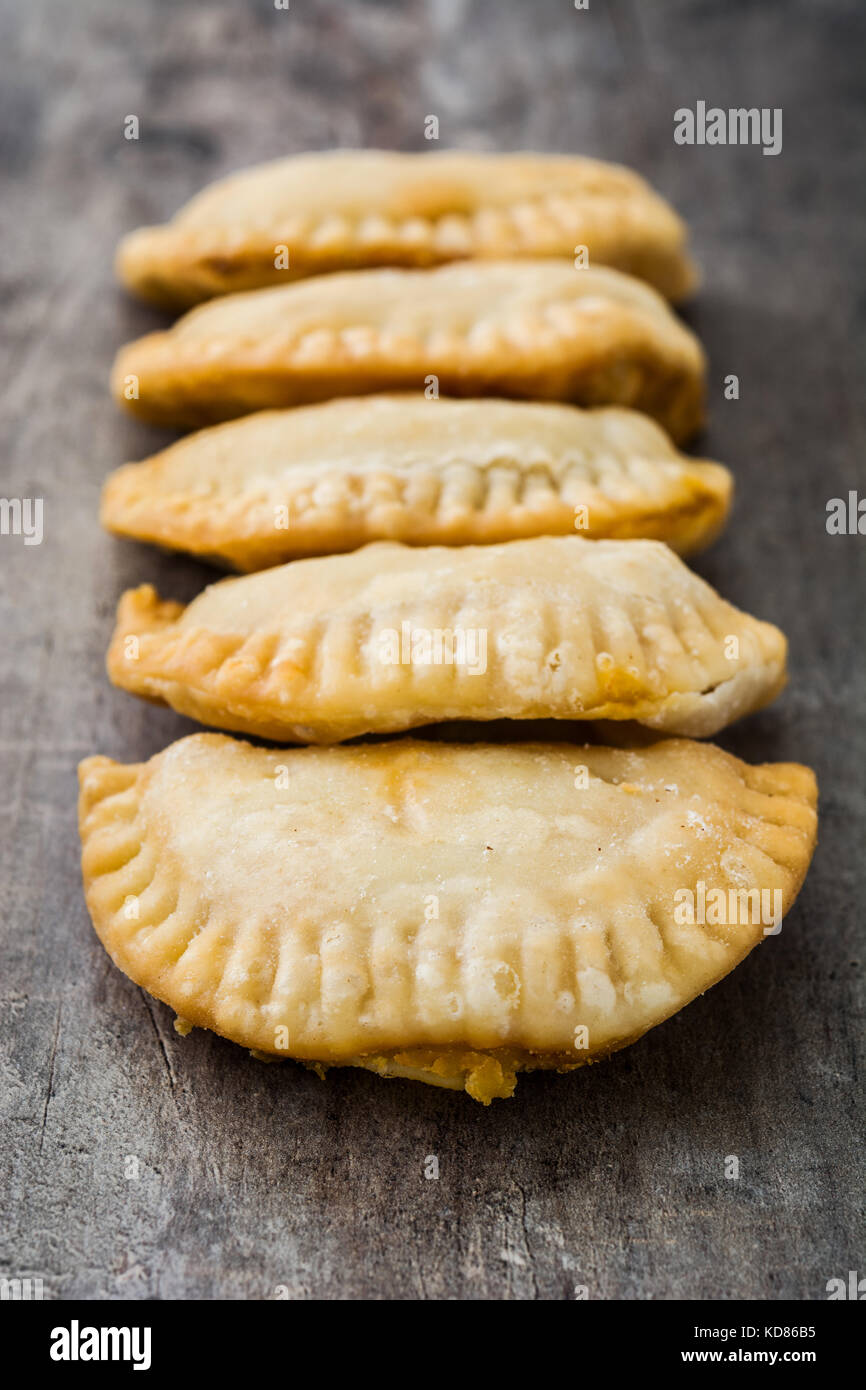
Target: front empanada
x: 390, y: 637
x: 526, y: 329
x: 451, y: 913
x: 351, y: 209
x: 325, y: 478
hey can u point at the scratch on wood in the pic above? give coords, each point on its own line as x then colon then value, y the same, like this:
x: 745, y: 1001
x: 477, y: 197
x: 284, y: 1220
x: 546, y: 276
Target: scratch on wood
x: 50, y: 1076
x: 172, y: 1079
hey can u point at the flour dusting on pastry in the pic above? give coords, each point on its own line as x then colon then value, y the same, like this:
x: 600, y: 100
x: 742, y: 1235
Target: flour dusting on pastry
x: 392, y: 637
x: 452, y: 913
x: 285, y: 484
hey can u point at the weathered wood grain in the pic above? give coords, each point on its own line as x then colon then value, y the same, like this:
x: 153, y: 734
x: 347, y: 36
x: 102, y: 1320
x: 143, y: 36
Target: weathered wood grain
x: 253, y: 1176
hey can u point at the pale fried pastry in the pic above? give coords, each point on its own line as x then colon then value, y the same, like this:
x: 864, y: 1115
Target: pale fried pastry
x: 526, y: 329
x: 454, y: 914
x: 390, y: 637
x: 325, y: 478
x: 350, y: 209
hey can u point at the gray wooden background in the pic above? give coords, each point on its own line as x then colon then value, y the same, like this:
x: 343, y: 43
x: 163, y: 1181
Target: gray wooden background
x: 252, y: 1177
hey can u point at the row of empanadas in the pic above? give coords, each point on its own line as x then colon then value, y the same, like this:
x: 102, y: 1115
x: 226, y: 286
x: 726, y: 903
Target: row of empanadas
x: 451, y: 913
x: 317, y: 479
x: 389, y: 637
x: 351, y: 209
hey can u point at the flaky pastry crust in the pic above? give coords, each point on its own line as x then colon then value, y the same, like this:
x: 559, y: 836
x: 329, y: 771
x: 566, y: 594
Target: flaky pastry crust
x: 557, y: 627
x: 525, y: 329
x: 351, y: 209
x: 453, y: 913
x: 280, y: 485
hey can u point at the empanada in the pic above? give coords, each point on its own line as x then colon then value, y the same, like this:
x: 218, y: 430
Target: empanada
x: 390, y: 637
x: 450, y: 913
x: 503, y: 328
x: 326, y: 478
x: 355, y: 208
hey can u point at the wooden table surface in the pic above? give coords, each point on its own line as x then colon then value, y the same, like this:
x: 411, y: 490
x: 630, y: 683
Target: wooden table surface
x: 252, y: 1177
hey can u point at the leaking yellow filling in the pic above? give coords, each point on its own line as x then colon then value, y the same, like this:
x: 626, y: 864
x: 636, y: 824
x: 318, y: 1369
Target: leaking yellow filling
x: 485, y: 1076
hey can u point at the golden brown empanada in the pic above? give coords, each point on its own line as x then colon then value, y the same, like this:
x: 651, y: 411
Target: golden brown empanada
x: 503, y: 328
x: 357, y: 208
x: 390, y: 637
x: 450, y: 913
x: 324, y: 478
